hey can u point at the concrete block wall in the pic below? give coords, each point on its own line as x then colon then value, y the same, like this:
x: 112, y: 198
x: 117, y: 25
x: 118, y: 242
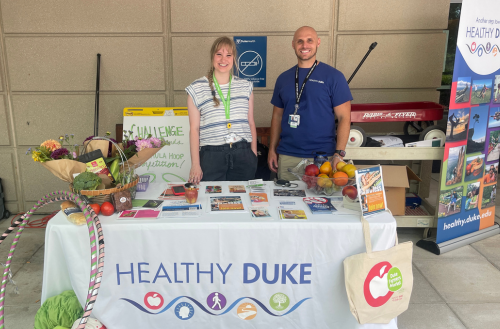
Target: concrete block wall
x: 152, y: 49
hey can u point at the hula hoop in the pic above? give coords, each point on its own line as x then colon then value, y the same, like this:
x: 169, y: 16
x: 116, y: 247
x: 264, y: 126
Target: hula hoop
x: 97, y: 263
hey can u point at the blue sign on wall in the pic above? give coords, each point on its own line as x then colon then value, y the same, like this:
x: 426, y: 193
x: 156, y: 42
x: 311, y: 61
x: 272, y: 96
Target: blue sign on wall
x: 252, y: 58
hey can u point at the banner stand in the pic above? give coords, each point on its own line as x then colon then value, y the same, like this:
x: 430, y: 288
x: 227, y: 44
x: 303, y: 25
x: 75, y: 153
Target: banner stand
x: 430, y: 244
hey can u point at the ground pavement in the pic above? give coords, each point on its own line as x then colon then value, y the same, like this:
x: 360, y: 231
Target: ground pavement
x: 456, y: 290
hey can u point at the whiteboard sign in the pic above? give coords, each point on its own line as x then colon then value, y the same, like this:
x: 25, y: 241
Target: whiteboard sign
x: 173, y: 162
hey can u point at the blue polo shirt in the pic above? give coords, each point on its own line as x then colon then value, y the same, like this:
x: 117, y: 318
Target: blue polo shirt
x: 325, y: 89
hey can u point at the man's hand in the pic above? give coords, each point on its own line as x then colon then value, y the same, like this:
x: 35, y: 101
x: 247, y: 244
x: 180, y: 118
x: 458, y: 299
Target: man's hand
x: 272, y: 161
x: 336, y: 159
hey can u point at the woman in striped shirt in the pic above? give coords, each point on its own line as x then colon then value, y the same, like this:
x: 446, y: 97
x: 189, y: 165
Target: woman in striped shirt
x: 223, y: 138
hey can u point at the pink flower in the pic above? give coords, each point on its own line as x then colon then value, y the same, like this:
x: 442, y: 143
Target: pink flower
x: 142, y: 144
x: 156, y: 142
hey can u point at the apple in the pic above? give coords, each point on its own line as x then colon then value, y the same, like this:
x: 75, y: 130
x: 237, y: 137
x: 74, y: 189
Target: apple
x: 155, y: 301
x: 350, y: 191
x: 312, y: 170
x: 378, y: 285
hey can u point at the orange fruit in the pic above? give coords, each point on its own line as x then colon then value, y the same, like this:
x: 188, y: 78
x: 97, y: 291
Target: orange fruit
x: 325, y: 168
x: 341, y: 178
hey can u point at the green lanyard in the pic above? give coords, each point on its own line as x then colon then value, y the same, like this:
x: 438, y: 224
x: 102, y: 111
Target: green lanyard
x: 225, y: 101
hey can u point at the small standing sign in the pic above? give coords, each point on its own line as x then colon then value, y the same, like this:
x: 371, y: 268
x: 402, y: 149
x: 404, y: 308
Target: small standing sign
x: 371, y: 190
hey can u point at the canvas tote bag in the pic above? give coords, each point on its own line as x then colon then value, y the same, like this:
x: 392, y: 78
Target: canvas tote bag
x: 379, y: 283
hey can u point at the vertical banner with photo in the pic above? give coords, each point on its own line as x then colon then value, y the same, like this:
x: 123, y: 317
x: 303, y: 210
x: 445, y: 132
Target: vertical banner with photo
x: 472, y: 149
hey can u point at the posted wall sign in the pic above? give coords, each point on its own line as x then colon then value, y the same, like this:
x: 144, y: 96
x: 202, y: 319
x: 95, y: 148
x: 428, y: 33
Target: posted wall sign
x: 252, y: 59
x: 173, y: 162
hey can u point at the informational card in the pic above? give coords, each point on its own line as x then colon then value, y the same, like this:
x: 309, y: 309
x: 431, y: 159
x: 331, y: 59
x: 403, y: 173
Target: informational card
x: 260, y: 213
x: 146, y: 213
x: 226, y: 203
x: 259, y: 199
x: 213, y: 189
x: 371, y: 190
x: 293, y: 193
x: 237, y: 189
x: 292, y: 213
x: 145, y: 203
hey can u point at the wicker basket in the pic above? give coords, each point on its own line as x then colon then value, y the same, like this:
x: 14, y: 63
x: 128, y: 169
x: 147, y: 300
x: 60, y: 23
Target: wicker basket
x: 100, y: 196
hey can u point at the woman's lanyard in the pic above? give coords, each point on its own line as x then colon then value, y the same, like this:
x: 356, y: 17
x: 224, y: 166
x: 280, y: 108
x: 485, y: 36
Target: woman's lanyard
x: 298, y: 94
x: 225, y: 101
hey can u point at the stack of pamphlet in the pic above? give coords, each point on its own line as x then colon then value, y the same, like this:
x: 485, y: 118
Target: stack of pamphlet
x: 320, y: 205
x: 180, y: 209
x: 290, y: 210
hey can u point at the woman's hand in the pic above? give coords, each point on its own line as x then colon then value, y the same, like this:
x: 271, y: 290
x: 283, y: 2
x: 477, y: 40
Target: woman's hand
x: 195, y: 175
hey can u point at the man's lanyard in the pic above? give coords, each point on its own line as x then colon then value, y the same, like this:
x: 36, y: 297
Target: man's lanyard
x: 225, y: 101
x: 297, y: 93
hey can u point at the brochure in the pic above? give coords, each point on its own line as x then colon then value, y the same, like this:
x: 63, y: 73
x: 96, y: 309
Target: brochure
x: 295, y: 193
x: 292, y: 212
x: 237, y: 189
x: 371, y: 190
x: 180, y: 209
x: 260, y: 213
x: 320, y: 205
x: 146, y: 213
x: 259, y: 199
x: 144, y: 203
x: 213, y: 189
x: 226, y: 203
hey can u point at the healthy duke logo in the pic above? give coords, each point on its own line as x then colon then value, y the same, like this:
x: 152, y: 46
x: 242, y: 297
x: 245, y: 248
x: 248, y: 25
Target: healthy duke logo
x: 216, y: 301
x: 381, y: 283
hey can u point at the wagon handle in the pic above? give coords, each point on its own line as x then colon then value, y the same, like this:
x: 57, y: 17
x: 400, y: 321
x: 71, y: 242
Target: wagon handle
x: 372, y: 46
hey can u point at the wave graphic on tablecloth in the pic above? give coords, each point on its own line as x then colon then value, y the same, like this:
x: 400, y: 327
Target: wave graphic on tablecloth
x: 264, y: 308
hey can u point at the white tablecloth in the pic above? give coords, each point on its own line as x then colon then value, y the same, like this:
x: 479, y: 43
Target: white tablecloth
x: 185, y: 260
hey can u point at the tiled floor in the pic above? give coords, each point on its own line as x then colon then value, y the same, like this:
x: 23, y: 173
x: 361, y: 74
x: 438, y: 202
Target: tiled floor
x: 459, y: 289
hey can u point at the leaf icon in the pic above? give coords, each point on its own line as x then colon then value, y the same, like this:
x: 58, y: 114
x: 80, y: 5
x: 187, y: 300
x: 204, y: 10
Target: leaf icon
x: 157, y: 294
x: 382, y: 270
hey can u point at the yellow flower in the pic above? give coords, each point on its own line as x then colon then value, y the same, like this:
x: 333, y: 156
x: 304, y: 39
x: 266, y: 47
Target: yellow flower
x: 36, y: 156
x: 51, y: 144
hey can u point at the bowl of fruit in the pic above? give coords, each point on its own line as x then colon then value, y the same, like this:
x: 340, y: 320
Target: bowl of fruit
x: 325, y: 180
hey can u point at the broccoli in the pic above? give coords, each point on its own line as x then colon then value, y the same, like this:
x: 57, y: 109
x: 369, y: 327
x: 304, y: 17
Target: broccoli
x: 86, y: 181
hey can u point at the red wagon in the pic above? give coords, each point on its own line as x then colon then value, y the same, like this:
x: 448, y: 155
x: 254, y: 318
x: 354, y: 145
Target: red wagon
x: 419, y: 119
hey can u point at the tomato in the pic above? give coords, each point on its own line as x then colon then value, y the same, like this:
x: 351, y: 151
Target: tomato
x: 96, y: 208
x: 107, y: 209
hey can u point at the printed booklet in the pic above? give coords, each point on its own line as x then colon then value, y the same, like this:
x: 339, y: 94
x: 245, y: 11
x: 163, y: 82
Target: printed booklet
x: 320, y: 205
x: 371, y: 190
x: 226, y: 203
x: 292, y: 212
x: 180, y: 209
x: 146, y: 214
x: 295, y: 193
x: 259, y: 199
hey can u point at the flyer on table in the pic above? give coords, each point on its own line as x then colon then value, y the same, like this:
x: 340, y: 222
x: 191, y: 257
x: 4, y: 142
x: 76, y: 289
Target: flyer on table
x: 470, y: 163
x: 371, y: 190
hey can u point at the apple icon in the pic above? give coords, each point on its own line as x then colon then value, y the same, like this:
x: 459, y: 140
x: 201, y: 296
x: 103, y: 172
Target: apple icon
x: 153, y: 300
x: 376, y: 289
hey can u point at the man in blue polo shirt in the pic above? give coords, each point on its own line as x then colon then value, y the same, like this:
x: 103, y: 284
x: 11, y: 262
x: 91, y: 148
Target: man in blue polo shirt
x: 306, y: 100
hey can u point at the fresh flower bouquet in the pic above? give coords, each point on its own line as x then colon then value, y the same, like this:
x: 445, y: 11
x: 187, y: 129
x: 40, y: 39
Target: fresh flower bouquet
x: 61, y: 157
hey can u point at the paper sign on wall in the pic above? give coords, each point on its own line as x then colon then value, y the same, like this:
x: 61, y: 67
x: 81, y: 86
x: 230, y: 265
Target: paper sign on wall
x: 173, y: 162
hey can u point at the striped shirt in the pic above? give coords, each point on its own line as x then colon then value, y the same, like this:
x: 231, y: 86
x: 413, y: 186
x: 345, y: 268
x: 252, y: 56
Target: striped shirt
x: 213, y: 124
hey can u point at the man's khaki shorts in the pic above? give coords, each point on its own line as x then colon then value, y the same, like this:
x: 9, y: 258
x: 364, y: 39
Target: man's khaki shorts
x: 287, y: 161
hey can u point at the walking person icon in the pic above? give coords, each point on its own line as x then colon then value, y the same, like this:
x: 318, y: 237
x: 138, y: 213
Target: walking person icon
x: 216, y: 301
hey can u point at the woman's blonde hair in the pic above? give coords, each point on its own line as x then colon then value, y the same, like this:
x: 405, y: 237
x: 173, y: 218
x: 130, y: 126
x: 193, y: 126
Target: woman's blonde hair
x: 216, y: 46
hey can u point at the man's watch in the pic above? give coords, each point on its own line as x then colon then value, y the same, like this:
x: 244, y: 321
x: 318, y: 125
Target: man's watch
x: 340, y: 152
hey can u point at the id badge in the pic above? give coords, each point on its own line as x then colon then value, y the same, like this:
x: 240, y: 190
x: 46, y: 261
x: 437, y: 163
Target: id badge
x: 231, y: 138
x: 294, y: 120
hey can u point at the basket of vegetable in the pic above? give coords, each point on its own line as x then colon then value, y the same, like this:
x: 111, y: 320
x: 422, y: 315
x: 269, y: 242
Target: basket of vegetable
x: 98, y: 189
